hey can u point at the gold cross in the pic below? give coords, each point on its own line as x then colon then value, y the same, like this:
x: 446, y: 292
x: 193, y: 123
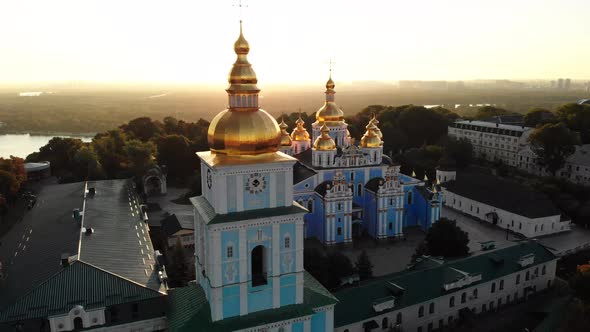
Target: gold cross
x: 240, y: 5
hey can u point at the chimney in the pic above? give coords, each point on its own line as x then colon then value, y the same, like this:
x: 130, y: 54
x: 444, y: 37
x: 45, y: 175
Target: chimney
x: 65, y: 260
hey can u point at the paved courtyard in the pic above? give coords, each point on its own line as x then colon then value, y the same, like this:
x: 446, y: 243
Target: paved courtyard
x: 562, y: 243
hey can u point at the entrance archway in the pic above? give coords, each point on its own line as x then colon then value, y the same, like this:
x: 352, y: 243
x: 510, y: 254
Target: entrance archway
x: 258, y: 268
x: 78, y: 324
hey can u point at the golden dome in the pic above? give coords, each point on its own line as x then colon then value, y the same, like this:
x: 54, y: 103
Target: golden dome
x: 300, y: 133
x: 330, y: 112
x: 236, y: 132
x: 243, y: 128
x: 324, y: 142
x: 370, y: 139
x: 285, y: 138
x: 375, y: 123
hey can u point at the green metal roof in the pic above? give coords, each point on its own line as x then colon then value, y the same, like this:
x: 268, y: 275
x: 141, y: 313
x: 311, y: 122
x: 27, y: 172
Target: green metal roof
x: 78, y: 284
x: 356, y: 304
x: 207, y: 211
x: 190, y: 311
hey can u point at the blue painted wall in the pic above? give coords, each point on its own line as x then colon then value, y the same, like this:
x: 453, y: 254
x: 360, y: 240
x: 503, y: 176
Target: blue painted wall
x: 318, y: 322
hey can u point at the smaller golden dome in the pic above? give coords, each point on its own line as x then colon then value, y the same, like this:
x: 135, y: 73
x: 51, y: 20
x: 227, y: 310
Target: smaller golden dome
x: 330, y: 113
x: 324, y: 142
x: 370, y: 139
x: 300, y: 133
x: 375, y: 124
x: 241, y: 45
x: 330, y: 84
x: 285, y: 138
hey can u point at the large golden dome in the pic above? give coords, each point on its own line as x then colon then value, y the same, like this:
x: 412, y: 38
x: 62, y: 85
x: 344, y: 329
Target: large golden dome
x: 330, y: 113
x: 300, y: 133
x: 243, y: 128
x: 324, y: 142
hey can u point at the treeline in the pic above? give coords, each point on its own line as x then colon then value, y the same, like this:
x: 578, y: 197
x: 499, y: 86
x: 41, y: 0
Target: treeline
x: 130, y: 150
x: 12, y: 178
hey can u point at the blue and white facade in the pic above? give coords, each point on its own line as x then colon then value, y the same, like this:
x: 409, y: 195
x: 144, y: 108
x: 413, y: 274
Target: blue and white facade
x: 352, y: 190
x: 249, y: 232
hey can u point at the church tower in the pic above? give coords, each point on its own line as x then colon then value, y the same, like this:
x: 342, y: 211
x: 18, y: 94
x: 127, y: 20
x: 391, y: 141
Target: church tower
x: 332, y: 116
x: 248, y: 230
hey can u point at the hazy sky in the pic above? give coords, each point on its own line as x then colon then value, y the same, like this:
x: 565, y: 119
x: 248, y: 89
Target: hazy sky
x: 291, y: 41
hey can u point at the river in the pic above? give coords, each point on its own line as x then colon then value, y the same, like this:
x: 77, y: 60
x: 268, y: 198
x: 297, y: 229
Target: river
x: 21, y: 145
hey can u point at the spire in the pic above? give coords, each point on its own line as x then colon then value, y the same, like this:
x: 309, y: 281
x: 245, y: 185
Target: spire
x: 330, y: 112
x: 242, y: 78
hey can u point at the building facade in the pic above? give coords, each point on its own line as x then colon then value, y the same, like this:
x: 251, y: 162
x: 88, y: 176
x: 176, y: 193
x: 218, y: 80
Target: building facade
x: 433, y: 294
x: 351, y: 190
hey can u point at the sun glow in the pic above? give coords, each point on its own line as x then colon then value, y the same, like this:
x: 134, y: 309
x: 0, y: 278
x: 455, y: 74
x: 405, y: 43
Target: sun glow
x: 291, y: 42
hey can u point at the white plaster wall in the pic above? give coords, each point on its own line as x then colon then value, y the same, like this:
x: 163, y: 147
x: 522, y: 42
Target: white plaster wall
x: 411, y: 321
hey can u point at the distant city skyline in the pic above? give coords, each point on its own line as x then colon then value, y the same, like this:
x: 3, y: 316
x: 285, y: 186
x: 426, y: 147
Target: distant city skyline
x: 291, y: 43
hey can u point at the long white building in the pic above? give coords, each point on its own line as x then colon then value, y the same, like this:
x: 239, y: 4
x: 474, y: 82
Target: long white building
x: 434, y: 294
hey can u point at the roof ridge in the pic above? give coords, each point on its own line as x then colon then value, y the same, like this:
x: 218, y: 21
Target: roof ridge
x: 119, y: 276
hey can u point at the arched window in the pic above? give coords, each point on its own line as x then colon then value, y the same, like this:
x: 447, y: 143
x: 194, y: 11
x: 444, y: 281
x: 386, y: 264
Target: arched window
x: 78, y: 323
x: 359, y: 189
x: 351, y: 176
x: 527, y: 276
x: 310, y: 205
x: 452, y: 301
x: 431, y: 308
x: 409, y: 197
x: 421, y: 311
x: 398, y: 318
x: 501, y: 284
x: 493, y: 287
x: 463, y: 297
x: 537, y: 271
x: 258, y: 266
x: 384, y: 323
x: 229, y: 251
x: 475, y: 293
x: 518, y: 279
x: 543, y: 270
x: 287, y: 242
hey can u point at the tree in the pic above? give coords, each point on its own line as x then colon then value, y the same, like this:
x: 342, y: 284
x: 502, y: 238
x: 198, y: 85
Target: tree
x: 364, y: 266
x: 143, y: 128
x: 140, y: 155
x: 87, y: 165
x: 60, y: 153
x: 446, y: 239
x: 490, y: 111
x: 177, y: 268
x: 552, y: 143
x: 176, y: 153
x: 422, y: 126
x: 577, y: 118
x: 580, y: 283
x: 110, y: 149
x: 538, y: 116
x: 340, y: 266
x: 460, y: 150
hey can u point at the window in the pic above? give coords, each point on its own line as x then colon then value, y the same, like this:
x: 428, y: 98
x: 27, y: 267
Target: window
x: 398, y: 318
x: 310, y: 205
x: 421, y: 311
x: 484, y: 308
x: 339, y: 206
x: 359, y: 189
x: 537, y: 271
x: 431, y: 308
x: 493, y: 287
x: 259, y: 234
x: 410, y: 197
x: 384, y: 323
x: 258, y: 266
x: 527, y: 276
x: 520, y: 225
x: 475, y: 293
x: 463, y: 297
x: 501, y: 284
x: 339, y: 220
x: 390, y: 226
x: 351, y: 176
x: 452, y: 301
x: 429, y: 326
x: 229, y: 251
x: 543, y: 270
x: 339, y: 230
x: 391, y: 202
x: 287, y: 242
x: 518, y: 279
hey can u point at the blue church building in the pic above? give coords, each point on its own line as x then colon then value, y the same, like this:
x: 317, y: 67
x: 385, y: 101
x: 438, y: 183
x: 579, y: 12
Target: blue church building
x: 350, y: 190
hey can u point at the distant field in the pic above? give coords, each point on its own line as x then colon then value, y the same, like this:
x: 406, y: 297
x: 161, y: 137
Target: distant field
x: 94, y: 111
